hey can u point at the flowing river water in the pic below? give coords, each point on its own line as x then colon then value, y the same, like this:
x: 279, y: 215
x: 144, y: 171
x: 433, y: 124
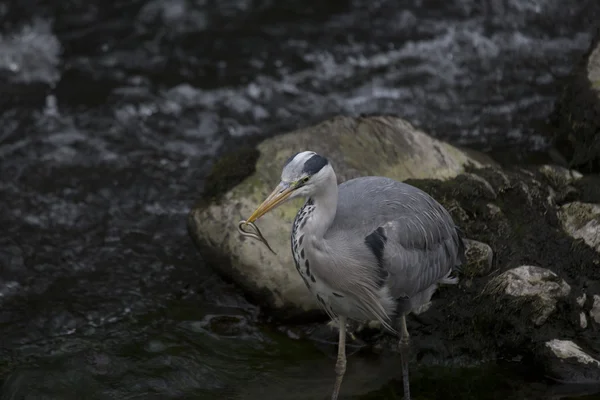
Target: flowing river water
x: 112, y: 114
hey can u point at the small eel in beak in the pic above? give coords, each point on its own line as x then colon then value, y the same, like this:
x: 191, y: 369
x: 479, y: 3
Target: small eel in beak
x: 254, y: 233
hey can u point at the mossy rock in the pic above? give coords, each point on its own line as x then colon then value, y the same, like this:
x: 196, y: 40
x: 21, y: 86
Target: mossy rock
x: 384, y: 146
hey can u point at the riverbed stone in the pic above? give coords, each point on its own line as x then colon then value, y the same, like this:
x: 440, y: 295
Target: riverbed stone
x: 531, y: 284
x: 385, y: 146
x: 565, y: 361
x: 582, y: 221
x: 577, y: 114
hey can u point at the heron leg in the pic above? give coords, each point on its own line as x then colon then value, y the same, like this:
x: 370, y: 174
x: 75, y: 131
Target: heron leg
x: 404, y: 346
x: 340, y: 365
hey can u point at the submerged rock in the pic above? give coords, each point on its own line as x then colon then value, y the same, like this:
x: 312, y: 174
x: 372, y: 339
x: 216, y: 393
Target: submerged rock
x: 539, y: 287
x: 565, y: 361
x: 577, y: 114
x: 356, y: 147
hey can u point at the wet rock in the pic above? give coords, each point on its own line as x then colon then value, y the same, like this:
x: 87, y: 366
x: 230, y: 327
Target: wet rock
x: 565, y: 361
x: 595, y: 311
x: 577, y: 114
x: 479, y: 258
x: 582, y: 221
x: 356, y: 147
x: 530, y: 284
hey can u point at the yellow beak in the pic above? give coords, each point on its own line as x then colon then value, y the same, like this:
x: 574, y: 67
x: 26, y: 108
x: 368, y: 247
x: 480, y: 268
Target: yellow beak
x: 277, y: 196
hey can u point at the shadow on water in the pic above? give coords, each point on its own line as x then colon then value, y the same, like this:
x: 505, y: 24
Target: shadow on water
x: 111, y: 115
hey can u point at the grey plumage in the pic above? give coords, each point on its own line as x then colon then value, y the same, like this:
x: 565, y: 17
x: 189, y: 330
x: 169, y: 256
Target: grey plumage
x: 371, y: 248
x: 403, y: 241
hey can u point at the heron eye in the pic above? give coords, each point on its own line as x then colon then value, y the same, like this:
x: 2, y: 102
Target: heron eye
x: 305, y: 179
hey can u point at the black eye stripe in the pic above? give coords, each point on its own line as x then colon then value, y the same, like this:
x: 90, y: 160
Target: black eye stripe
x: 314, y: 164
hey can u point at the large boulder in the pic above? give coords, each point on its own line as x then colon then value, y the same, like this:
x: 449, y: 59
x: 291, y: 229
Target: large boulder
x: 384, y: 146
x: 577, y: 114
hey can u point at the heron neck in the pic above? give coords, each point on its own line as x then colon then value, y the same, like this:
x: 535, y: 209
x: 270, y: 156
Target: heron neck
x: 325, y: 202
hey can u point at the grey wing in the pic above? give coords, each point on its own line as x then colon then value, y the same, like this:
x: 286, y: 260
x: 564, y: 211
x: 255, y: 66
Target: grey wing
x: 409, y: 240
x: 419, y: 250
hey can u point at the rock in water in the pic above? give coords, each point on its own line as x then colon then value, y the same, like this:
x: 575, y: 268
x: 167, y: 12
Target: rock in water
x: 577, y: 114
x: 385, y: 146
x: 566, y: 362
x: 537, y: 286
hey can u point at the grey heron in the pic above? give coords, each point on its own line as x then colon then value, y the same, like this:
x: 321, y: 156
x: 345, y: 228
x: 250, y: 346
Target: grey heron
x: 369, y: 249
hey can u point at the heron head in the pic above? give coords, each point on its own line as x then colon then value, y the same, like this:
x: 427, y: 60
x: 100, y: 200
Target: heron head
x: 302, y: 175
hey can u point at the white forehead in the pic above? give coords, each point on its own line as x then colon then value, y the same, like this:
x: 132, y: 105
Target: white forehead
x: 302, y: 157
x: 293, y: 168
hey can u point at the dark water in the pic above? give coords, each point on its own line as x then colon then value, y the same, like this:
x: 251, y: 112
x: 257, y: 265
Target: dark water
x: 111, y: 115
